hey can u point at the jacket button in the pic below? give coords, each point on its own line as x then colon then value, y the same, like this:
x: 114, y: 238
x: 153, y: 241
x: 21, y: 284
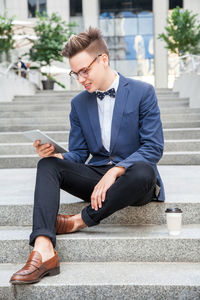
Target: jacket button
x: 111, y: 157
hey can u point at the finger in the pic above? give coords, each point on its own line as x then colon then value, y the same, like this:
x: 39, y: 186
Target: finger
x: 94, y: 199
x: 48, y: 149
x: 45, y: 148
x: 36, y: 143
x: 99, y: 199
x: 46, y: 152
x: 94, y: 202
x: 41, y: 148
x: 103, y: 196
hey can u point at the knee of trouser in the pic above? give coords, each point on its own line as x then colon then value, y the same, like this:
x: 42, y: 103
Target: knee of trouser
x: 143, y: 173
x: 47, y: 163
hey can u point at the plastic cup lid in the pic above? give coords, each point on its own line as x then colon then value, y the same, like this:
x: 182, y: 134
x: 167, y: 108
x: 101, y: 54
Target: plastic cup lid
x: 173, y: 210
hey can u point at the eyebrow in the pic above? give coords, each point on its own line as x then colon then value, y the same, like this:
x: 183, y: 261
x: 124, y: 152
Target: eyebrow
x: 78, y: 70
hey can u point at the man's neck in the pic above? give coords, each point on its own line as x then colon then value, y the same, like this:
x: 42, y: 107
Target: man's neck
x: 109, y: 79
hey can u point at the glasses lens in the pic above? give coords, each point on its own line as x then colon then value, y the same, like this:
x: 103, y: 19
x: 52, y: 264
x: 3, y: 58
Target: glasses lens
x: 83, y: 73
x: 74, y: 76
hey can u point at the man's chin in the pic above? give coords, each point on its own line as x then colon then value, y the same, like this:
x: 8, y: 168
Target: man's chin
x: 92, y: 90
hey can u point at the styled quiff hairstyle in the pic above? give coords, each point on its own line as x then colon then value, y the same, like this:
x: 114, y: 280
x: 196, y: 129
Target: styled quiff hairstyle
x: 90, y: 41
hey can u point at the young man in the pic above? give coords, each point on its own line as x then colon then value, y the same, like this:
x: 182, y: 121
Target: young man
x: 117, y: 121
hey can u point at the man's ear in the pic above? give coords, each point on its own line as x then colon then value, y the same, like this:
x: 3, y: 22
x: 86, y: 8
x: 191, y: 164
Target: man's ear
x: 105, y: 59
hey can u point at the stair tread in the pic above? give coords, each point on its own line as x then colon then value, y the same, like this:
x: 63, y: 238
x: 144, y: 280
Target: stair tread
x: 164, y: 153
x: 109, y: 232
x: 115, y: 273
x: 181, y: 186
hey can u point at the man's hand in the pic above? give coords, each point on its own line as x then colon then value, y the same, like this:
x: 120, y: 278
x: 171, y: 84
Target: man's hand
x: 99, y: 193
x: 46, y: 150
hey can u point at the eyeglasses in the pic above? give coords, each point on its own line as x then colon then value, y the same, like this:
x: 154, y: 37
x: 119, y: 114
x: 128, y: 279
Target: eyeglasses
x: 84, y: 71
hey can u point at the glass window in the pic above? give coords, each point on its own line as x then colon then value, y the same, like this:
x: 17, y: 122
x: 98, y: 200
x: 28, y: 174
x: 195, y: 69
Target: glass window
x: 128, y: 31
x: 36, y: 5
x: 75, y: 8
x: 175, y: 3
x: 117, y: 6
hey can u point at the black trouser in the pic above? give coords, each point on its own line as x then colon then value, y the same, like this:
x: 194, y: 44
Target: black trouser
x: 134, y: 188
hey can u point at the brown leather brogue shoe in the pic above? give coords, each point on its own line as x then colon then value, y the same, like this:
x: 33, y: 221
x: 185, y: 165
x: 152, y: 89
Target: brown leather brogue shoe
x: 35, y: 269
x: 64, y: 224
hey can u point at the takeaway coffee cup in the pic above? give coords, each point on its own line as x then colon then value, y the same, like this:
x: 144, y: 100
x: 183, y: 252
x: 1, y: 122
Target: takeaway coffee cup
x: 174, y: 220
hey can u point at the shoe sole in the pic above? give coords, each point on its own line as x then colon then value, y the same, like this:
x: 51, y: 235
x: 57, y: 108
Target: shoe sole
x: 52, y: 272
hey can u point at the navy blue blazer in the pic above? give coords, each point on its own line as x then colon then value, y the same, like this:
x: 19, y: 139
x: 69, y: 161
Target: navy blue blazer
x: 136, y: 133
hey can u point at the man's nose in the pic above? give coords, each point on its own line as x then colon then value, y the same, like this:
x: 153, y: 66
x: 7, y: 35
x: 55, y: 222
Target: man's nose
x: 81, y: 79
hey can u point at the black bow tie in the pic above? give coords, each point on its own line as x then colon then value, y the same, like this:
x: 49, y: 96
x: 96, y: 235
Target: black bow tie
x: 110, y: 93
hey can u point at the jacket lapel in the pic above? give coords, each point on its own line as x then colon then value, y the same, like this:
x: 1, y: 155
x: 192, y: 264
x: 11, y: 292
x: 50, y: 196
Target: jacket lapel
x: 120, y: 102
x: 94, y: 117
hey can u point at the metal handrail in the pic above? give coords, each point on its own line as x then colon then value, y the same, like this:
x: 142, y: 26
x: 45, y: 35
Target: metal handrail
x: 188, y: 63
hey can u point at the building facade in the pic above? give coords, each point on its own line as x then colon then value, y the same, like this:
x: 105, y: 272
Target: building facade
x: 130, y: 28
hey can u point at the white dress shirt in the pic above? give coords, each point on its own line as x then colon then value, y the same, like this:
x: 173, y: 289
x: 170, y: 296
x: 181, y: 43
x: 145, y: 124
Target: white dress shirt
x: 105, y: 110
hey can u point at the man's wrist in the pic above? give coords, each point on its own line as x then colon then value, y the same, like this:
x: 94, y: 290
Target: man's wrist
x: 58, y: 155
x: 119, y: 170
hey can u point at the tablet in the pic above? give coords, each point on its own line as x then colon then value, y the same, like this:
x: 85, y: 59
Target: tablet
x: 36, y: 134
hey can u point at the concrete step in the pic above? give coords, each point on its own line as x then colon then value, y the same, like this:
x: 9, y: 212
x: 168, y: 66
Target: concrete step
x: 41, y: 95
x: 181, y: 133
x: 70, y: 96
x: 106, y: 243
x: 60, y: 114
x: 35, y: 114
x: 190, y: 117
x: 22, y: 148
x: 17, y: 210
x: 179, y: 110
x: 9, y: 107
x: 171, y: 98
x: 31, y: 120
x: 168, y: 121
x: 169, y: 158
x: 181, y: 124
x: 169, y: 134
x: 18, y: 137
x: 32, y: 100
x: 108, y: 281
x: 181, y: 186
x: 62, y: 92
x: 27, y: 148
x: 173, y: 103
x: 45, y: 127
x: 60, y: 125
x: 164, y: 90
x: 180, y: 158
x: 45, y: 115
x: 63, y: 112
x: 182, y: 145
x: 65, y: 104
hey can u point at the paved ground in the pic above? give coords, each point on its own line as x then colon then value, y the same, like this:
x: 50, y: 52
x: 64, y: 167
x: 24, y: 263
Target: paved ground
x: 182, y: 183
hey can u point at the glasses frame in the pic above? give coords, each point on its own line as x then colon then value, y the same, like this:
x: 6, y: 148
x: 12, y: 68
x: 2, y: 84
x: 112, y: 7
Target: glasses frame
x: 84, y: 71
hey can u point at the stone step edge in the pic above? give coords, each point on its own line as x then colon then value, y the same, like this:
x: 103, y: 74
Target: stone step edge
x: 18, y: 211
x: 103, y: 232
x: 67, y: 131
x: 165, y: 153
x: 98, y: 274
x: 65, y: 143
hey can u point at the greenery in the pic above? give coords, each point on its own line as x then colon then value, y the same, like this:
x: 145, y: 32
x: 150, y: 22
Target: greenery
x: 6, y: 34
x: 182, y: 32
x: 52, y: 78
x: 52, y: 33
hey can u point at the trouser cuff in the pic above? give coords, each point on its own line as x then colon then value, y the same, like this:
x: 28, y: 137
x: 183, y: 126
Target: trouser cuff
x: 42, y: 232
x: 87, y: 219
